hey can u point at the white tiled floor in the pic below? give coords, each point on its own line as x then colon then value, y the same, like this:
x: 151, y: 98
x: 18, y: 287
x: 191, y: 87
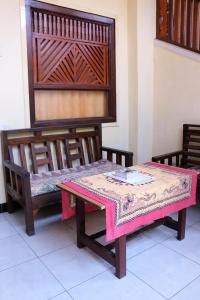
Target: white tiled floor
x: 49, y: 266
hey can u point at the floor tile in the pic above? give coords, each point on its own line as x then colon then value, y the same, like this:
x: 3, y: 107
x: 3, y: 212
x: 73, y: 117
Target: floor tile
x: 197, y: 226
x: 190, y: 246
x: 95, y: 221
x: 6, y: 230
x: 50, y: 238
x: 71, y: 265
x: 193, y: 216
x: 63, y: 296
x: 138, y: 244
x: 14, y: 251
x: 106, y: 286
x: 46, y: 216
x: 160, y: 234
x: 163, y: 269
x: 135, y: 245
x: 2, y: 217
x: 28, y: 281
x: 16, y: 219
x: 192, y: 291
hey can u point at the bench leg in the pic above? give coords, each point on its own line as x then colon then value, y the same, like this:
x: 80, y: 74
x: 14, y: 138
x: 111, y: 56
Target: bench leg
x: 29, y: 218
x: 80, y: 220
x: 11, y: 204
x: 181, y: 224
x: 120, y: 256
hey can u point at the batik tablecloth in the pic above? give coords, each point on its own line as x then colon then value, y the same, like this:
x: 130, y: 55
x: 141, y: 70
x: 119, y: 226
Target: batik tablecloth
x: 131, y: 206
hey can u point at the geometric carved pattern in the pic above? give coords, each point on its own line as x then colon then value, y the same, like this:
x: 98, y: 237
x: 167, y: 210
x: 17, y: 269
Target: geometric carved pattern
x: 71, y: 63
x: 69, y: 51
x: 71, y: 58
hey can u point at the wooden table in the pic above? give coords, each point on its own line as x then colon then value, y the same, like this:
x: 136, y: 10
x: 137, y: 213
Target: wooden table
x: 117, y: 258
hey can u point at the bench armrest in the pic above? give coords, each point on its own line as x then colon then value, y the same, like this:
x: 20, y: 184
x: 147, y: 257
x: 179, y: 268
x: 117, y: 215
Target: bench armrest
x: 169, y: 158
x: 18, y: 170
x: 17, y: 181
x: 119, y: 154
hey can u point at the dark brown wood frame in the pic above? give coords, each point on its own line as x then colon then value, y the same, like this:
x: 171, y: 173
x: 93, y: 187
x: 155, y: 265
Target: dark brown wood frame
x: 110, y: 89
x: 17, y: 176
x: 191, y: 37
x: 118, y: 259
x: 188, y: 156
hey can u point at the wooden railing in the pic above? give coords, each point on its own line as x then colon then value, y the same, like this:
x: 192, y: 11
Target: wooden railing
x: 178, y: 22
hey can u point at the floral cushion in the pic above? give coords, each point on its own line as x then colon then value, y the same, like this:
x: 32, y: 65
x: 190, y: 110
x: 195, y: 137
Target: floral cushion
x: 46, y: 181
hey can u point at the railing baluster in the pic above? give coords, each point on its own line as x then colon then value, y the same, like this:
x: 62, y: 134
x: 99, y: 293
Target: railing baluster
x: 178, y: 22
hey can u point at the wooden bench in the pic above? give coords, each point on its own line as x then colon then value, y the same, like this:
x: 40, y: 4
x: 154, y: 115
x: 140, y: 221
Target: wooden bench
x: 189, y: 156
x: 32, y: 151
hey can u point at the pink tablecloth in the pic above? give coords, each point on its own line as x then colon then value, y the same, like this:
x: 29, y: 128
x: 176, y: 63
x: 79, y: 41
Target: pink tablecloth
x: 131, y: 206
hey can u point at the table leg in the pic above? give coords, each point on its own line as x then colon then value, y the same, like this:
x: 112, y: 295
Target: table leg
x: 80, y: 220
x: 120, y: 256
x: 181, y: 224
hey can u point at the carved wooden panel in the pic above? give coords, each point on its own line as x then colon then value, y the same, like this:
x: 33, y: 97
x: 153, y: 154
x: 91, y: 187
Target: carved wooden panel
x: 178, y: 22
x: 70, y: 50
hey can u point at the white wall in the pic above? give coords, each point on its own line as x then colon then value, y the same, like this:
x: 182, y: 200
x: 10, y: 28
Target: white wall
x: 146, y: 14
x: 176, y: 100
x: 141, y: 33
x: 133, y: 76
x: 14, y: 112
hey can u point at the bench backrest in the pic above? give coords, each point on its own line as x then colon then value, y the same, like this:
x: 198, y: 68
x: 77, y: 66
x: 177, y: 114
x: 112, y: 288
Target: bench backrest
x: 191, y: 145
x: 52, y: 148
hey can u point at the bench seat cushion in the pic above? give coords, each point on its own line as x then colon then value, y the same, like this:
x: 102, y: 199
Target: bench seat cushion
x: 45, y: 182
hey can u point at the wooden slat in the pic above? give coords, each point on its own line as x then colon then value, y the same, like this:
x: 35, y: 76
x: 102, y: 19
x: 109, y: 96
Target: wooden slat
x: 23, y: 156
x: 42, y: 162
x: 59, y: 155
x: 183, y: 21
x: 170, y: 161
x: 195, y: 140
x: 189, y: 153
x: 118, y: 159
x: 109, y: 155
x: 88, y: 142
x: 194, y: 24
x: 96, y: 148
x: 177, y: 160
x: 177, y: 20
x: 81, y: 152
x: 74, y: 156
x: 74, y: 145
x: 11, y: 156
x: 189, y: 13
x: 33, y: 156
x: 193, y: 162
x: 40, y: 150
x: 49, y: 156
x: 194, y: 147
x: 31, y: 139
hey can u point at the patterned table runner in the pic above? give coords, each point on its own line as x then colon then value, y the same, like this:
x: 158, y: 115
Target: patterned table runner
x: 129, y: 206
